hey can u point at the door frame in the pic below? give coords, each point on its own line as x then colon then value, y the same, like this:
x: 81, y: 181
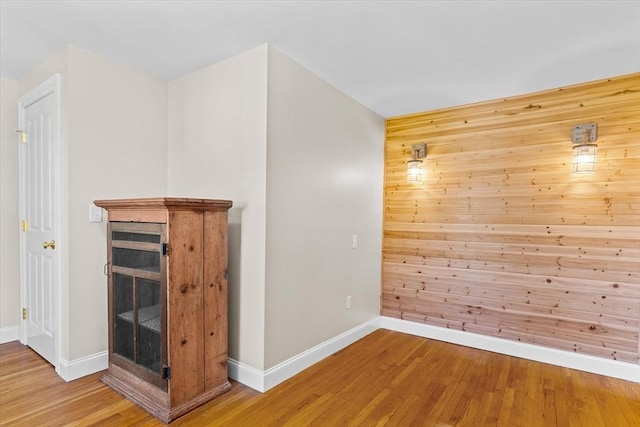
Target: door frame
x: 50, y: 87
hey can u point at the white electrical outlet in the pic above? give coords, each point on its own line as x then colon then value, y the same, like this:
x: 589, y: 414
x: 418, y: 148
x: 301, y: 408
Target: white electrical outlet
x: 95, y: 213
x: 354, y: 241
x: 349, y: 302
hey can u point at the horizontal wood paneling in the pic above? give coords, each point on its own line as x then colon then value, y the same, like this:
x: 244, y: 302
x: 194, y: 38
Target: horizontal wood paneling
x: 502, y: 239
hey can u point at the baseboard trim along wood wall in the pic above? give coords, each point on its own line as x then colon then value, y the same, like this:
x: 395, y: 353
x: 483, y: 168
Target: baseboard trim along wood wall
x: 582, y: 362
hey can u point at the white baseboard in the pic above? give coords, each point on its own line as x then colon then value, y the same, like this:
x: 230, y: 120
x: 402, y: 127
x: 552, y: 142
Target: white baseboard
x: 264, y: 380
x: 245, y: 374
x: 71, y: 370
x: 10, y: 333
x: 582, y: 362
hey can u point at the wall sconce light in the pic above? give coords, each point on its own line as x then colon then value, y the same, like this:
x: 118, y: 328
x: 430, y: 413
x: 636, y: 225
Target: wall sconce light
x: 415, y: 172
x: 584, y: 148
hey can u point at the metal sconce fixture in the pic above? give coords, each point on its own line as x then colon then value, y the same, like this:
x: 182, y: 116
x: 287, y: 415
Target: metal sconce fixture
x: 415, y: 172
x: 584, y: 147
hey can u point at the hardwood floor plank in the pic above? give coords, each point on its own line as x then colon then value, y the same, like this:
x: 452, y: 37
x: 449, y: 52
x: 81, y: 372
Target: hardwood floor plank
x: 385, y: 379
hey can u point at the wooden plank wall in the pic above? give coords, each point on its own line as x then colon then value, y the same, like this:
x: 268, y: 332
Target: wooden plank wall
x: 502, y: 239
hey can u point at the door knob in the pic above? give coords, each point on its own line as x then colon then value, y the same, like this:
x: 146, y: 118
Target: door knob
x: 49, y: 245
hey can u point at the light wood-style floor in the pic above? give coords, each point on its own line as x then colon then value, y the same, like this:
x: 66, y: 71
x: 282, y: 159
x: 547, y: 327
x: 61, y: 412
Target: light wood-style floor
x: 385, y: 379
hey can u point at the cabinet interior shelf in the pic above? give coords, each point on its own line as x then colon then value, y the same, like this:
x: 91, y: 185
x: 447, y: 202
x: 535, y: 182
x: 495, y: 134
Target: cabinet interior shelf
x: 148, y: 317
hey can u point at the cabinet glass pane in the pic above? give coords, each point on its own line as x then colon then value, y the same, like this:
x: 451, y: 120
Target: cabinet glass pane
x: 135, y: 237
x: 133, y: 258
x: 123, y: 315
x: 148, y: 349
x: 137, y: 293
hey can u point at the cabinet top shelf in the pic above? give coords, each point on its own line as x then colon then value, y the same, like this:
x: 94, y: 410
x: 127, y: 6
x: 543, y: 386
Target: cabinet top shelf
x: 165, y: 203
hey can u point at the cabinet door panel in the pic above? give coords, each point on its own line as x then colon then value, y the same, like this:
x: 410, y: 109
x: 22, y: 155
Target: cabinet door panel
x: 136, y: 282
x: 215, y: 297
x: 185, y: 299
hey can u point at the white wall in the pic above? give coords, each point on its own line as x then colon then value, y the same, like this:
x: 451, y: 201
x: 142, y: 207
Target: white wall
x: 114, y: 144
x: 217, y: 149
x: 304, y: 176
x: 117, y: 149
x: 324, y: 184
x: 9, y: 236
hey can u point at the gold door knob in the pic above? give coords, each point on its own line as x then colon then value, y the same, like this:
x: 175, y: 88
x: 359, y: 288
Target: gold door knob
x: 49, y: 245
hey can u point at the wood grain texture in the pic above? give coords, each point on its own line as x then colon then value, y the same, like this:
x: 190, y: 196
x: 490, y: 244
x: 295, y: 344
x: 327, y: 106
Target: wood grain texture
x: 385, y: 379
x: 502, y: 239
x: 185, y: 296
x: 162, y: 203
x: 215, y: 299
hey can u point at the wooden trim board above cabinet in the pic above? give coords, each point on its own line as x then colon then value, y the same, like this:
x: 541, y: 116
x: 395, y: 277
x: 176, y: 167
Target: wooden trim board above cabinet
x: 155, y: 209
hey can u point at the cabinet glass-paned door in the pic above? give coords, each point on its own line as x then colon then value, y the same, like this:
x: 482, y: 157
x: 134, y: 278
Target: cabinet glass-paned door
x: 137, y: 319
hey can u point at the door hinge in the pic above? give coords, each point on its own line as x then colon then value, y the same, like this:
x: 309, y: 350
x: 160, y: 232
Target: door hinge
x: 22, y: 135
x: 24, y: 314
x: 166, y: 373
x: 165, y: 249
x: 24, y: 225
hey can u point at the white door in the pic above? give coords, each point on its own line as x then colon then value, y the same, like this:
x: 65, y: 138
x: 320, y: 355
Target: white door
x: 39, y: 202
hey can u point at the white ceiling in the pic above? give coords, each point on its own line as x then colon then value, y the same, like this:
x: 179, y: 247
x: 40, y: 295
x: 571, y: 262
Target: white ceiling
x: 396, y: 57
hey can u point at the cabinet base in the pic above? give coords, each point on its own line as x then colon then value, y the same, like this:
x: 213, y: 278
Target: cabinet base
x: 151, y: 398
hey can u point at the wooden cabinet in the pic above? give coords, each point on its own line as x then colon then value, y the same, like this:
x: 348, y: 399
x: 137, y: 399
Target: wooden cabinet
x: 167, y: 265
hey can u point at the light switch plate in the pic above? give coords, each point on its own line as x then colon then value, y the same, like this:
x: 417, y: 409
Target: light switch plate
x: 95, y: 213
